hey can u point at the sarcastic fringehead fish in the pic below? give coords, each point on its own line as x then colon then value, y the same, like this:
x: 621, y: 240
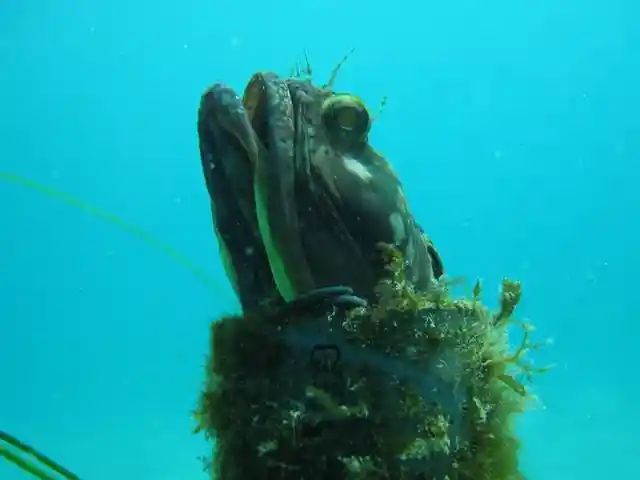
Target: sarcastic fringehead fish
x: 299, y: 198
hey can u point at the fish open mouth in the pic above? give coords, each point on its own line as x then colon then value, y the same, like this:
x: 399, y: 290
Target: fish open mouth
x: 253, y: 99
x: 255, y: 105
x: 251, y: 125
x: 270, y: 111
x: 248, y: 150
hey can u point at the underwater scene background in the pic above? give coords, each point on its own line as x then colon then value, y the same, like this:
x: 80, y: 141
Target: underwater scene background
x: 513, y: 125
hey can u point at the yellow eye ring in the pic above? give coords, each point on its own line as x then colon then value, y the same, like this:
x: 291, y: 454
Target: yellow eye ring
x: 346, y: 118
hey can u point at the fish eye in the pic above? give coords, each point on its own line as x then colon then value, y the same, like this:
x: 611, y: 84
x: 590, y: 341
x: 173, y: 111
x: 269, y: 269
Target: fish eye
x: 346, y: 118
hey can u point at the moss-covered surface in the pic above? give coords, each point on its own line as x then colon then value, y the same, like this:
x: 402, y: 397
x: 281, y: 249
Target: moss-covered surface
x: 414, y: 387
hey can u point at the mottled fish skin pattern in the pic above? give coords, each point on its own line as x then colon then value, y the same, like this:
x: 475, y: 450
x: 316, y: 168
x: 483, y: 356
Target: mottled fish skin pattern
x: 327, y: 208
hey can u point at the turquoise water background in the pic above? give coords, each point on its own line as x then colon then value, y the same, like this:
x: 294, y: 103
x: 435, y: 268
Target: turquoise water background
x: 513, y: 124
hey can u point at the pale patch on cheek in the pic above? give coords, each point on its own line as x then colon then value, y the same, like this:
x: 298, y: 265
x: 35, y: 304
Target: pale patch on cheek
x: 397, y: 226
x: 355, y: 167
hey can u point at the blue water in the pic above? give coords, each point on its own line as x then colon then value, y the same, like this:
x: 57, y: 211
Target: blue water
x: 513, y: 123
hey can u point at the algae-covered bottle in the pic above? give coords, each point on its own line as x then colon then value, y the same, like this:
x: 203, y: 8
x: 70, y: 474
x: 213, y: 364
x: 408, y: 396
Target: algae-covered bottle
x: 415, y: 387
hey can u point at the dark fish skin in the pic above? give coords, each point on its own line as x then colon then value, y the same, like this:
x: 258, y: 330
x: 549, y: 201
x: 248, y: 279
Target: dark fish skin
x: 294, y: 209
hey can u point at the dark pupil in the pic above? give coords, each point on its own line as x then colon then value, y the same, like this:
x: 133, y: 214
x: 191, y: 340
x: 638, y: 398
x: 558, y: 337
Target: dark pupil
x: 348, y: 120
